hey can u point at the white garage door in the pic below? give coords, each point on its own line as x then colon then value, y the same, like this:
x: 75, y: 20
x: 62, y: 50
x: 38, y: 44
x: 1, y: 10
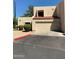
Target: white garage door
x: 43, y: 27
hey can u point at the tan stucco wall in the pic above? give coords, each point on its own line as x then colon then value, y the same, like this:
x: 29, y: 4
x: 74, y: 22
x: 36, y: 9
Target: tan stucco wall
x: 48, y: 10
x: 61, y: 13
x: 22, y: 20
x: 56, y: 25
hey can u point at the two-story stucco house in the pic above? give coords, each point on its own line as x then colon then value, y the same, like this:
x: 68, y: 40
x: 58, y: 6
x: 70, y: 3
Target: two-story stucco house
x: 42, y: 18
x: 45, y: 18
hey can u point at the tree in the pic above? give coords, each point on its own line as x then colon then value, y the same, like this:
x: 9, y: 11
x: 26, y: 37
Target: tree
x: 29, y: 12
x: 14, y: 17
x: 15, y: 22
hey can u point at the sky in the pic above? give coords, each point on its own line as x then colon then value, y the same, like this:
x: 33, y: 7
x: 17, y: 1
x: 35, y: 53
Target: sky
x: 22, y: 5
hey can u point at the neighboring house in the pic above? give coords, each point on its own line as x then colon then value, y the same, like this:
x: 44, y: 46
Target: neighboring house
x: 45, y: 18
x: 61, y: 13
x: 24, y: 20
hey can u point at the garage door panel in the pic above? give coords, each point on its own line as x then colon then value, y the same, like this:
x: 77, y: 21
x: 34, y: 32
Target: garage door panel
x: 43, y: 26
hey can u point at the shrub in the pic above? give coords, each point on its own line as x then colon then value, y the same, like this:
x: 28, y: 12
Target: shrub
x: 27, y: 27
x: 20, y: 27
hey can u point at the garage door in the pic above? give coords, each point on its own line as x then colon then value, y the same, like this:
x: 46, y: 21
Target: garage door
x: 43, y: 27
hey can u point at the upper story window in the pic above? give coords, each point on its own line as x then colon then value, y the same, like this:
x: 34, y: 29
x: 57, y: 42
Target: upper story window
x: 40, y: 13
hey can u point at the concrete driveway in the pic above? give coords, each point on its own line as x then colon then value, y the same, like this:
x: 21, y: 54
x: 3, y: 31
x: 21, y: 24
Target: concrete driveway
x: 39, y: 47
x: 49, y: 33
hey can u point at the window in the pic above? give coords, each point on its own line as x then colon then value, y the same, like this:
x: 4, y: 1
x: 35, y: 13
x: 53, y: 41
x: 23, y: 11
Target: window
x: 27, y: 22
x: 40, y: 13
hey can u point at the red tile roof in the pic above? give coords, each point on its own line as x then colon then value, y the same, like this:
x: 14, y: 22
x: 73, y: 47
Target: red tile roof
x: 49, y: 17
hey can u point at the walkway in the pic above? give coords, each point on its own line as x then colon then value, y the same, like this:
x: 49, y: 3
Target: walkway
x: 17, y: 34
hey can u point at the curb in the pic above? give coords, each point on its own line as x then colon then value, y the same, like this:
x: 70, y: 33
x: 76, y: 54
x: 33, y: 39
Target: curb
x: 18, y: 38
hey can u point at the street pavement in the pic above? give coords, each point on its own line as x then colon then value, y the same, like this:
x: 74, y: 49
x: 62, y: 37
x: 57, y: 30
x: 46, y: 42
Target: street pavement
x: 39, y: 47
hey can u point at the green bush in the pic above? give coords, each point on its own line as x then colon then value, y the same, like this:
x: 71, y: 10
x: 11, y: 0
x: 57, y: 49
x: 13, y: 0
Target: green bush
x: 20, y: 27
x: 27, y: 27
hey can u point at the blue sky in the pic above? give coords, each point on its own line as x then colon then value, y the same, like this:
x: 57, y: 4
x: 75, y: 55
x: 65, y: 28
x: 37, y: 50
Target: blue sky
x: 22, y: 5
